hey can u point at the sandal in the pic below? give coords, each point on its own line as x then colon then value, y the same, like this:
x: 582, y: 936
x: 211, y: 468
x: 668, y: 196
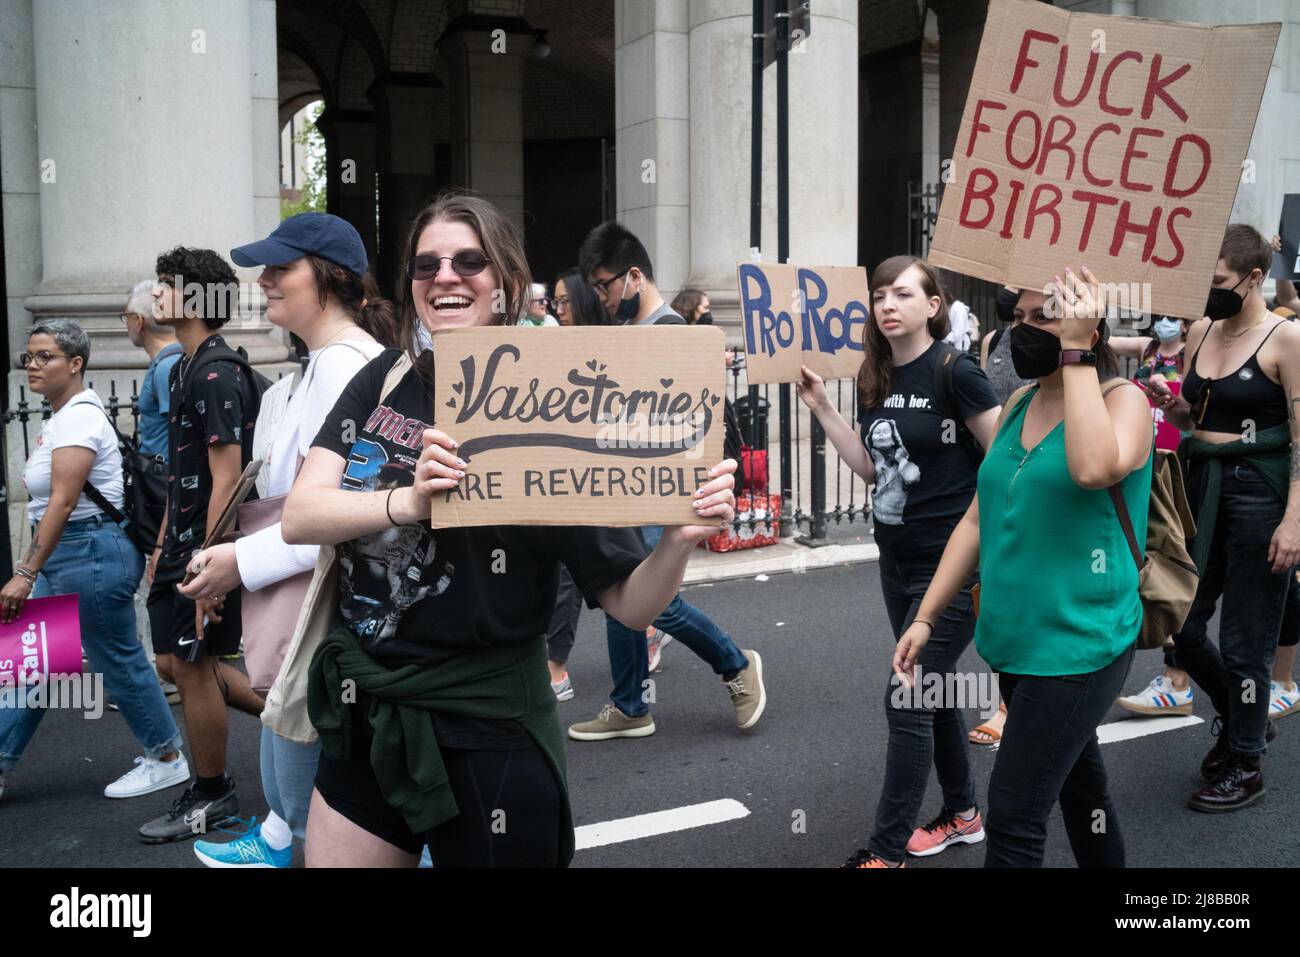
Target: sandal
x: 994, y: 736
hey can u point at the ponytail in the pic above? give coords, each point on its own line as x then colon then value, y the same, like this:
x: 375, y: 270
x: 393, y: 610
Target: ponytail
x: 359, y: 297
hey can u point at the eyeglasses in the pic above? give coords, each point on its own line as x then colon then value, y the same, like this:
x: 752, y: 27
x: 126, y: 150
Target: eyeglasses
x: 126, y: 317
x: 544, y: 302
x: 466, y: 263
x: 562, y: 304
x: 42, y: 358
x: 602, y: 286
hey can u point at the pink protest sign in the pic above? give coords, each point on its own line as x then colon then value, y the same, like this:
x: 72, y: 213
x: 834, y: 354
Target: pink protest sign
x: 44, y: 640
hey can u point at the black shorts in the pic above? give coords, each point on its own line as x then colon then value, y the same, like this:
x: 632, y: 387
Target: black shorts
x: 510, y: 805
x: 171, y: 622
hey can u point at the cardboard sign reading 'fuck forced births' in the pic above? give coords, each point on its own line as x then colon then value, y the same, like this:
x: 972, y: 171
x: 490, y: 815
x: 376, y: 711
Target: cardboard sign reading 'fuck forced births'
x: 1115, y: 143
x: 586, y: 426
x: 802, y: 315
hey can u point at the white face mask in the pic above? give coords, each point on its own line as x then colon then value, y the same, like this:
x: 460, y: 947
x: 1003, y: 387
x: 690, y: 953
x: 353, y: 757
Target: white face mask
x: 423, y: 338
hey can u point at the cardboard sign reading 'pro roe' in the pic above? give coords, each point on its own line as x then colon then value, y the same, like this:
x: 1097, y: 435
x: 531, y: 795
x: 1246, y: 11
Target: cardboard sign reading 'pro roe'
x: 579, y: 426
x: 802, y: 315
x: 1110, y: 142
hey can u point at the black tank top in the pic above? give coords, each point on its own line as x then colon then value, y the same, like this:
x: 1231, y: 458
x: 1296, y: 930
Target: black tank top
x: 1224, y: 404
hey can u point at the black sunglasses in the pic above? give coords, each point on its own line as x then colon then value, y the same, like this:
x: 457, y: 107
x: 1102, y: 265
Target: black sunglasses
x: 466, y: 263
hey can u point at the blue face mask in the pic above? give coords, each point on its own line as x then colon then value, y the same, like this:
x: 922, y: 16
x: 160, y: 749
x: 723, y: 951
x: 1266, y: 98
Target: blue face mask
x: 1167, y: 330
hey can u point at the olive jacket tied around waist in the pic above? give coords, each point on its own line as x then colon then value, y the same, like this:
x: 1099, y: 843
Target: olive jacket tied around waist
x: 501, y: 682
x: 1269, y: 455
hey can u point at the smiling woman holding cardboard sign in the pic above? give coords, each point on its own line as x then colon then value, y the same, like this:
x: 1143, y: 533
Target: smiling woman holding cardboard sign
x: 436, y: 651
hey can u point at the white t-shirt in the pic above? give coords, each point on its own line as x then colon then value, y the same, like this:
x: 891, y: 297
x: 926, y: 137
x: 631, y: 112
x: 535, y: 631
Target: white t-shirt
x: 83, y: 423
x: 283, y: 433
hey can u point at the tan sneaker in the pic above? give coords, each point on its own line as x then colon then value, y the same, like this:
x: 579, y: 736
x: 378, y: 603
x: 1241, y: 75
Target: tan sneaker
x: 612, y: 723
x: 747, y: 692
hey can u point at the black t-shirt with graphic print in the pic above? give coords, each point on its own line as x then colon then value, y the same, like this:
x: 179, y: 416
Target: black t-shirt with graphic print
x: 220, y: 407
x: 405, y: 590
x: 925, y: 479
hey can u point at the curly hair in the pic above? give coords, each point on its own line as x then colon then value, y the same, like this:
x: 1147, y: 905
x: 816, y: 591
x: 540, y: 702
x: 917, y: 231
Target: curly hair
x: 204, y: 271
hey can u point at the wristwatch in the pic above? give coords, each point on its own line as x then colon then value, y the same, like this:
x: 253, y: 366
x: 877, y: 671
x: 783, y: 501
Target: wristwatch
x: 1082, y: 356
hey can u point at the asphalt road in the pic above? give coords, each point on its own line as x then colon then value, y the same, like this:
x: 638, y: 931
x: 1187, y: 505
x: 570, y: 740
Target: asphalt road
x: 816, y: 759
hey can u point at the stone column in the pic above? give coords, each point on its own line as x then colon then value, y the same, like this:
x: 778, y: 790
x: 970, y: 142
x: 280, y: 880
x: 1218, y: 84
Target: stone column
x: 145, y: 124
x: 652, y: 111
x: 823, y: 145
x: 404, y: 157
x: 481, y: 60
x: 350, y: 144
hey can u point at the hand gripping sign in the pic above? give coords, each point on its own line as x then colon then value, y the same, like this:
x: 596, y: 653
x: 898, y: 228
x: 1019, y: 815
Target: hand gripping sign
x: 44, y: 640
x: 1113, y: 141
x: 802, y: 315
x: 586, y: 426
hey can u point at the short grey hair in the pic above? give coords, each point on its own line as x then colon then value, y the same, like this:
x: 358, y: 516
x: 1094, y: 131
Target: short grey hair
x: 538, y: 290
x: 70, y: 338
x: 141, y: 302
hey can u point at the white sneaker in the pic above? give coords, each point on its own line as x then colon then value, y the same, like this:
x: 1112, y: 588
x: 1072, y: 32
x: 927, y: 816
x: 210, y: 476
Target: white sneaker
x: 149, y: 775
x: 1159, y: 697
x: 656, y: 641
x: 1282, y: 701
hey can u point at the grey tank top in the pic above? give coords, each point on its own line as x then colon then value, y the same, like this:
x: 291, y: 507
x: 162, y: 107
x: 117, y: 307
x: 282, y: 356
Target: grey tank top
x: 1001, y: 371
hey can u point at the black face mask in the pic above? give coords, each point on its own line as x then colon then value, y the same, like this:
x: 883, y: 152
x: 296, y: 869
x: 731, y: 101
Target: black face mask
x: 628, y: 308
x: 1034, y: 352
x: 1224, y: 303
x: 706, y: 319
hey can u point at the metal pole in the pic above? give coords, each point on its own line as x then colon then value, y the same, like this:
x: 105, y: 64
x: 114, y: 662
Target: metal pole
x: 783, y: 237
x: 756, y: 193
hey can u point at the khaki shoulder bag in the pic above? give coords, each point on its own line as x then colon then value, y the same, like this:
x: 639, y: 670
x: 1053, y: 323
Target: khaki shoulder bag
x: 286, y: 702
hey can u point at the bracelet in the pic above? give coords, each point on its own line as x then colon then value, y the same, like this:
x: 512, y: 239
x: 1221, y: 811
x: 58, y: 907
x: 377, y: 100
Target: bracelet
x: 25, y: 573
x: 387, y: 506
x: 924, y: 622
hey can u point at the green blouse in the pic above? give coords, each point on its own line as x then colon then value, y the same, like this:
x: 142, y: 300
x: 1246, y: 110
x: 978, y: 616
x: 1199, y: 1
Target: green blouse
x: 1058, y: 585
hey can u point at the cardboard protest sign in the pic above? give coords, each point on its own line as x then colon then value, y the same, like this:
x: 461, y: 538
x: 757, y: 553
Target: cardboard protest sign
x: 1286, y: 264
x: 802, y: 315
x: 579, y: 426
x: 44, y: 640
x: 1111, y: 142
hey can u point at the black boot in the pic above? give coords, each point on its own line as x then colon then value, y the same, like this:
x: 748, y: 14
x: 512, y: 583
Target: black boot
x: 1240, y: 783
x: 1217, y: 757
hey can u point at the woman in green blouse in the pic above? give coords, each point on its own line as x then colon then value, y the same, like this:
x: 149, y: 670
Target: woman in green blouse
x: 1059, y: 609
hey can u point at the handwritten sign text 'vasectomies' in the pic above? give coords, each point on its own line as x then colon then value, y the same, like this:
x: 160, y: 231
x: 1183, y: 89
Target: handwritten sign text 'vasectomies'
x: 802, y: 315
x: 586, y: 426
x: 1111, y: 142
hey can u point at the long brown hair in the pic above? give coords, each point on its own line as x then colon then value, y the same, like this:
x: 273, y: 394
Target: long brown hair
x: 359, y: 297
x: 876, y: 376
x: 501, y: 242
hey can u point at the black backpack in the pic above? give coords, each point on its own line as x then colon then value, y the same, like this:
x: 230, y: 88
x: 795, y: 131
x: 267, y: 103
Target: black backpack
x: 946, y: 405
x: 144, y: 488
x: 144, y: 477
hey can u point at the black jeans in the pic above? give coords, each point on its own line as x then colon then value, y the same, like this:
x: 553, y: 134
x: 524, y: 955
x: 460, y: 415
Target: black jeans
x: 1235, y: 674
x: 919, y: 735
x: 1049, y: 751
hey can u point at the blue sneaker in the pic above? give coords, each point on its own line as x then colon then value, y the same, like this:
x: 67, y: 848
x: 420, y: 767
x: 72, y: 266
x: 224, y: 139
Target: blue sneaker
x: 248, y: 850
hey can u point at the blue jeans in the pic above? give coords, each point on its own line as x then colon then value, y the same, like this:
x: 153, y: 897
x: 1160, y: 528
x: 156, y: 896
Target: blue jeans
x: 629, y: 663
x: 95, y: 561
x: 288, y: 776
x: 1254, y: 605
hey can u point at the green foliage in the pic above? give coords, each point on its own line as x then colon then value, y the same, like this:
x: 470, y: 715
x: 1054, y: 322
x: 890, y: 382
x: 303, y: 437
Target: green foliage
x: 313, y: 191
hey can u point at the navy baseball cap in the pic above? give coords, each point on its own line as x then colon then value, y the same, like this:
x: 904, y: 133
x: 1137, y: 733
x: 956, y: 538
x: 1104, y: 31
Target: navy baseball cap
x: 319, y: 234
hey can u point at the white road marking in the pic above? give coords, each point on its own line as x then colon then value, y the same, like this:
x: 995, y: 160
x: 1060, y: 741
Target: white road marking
x: 659, y: 822
x: 1140, y: 727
